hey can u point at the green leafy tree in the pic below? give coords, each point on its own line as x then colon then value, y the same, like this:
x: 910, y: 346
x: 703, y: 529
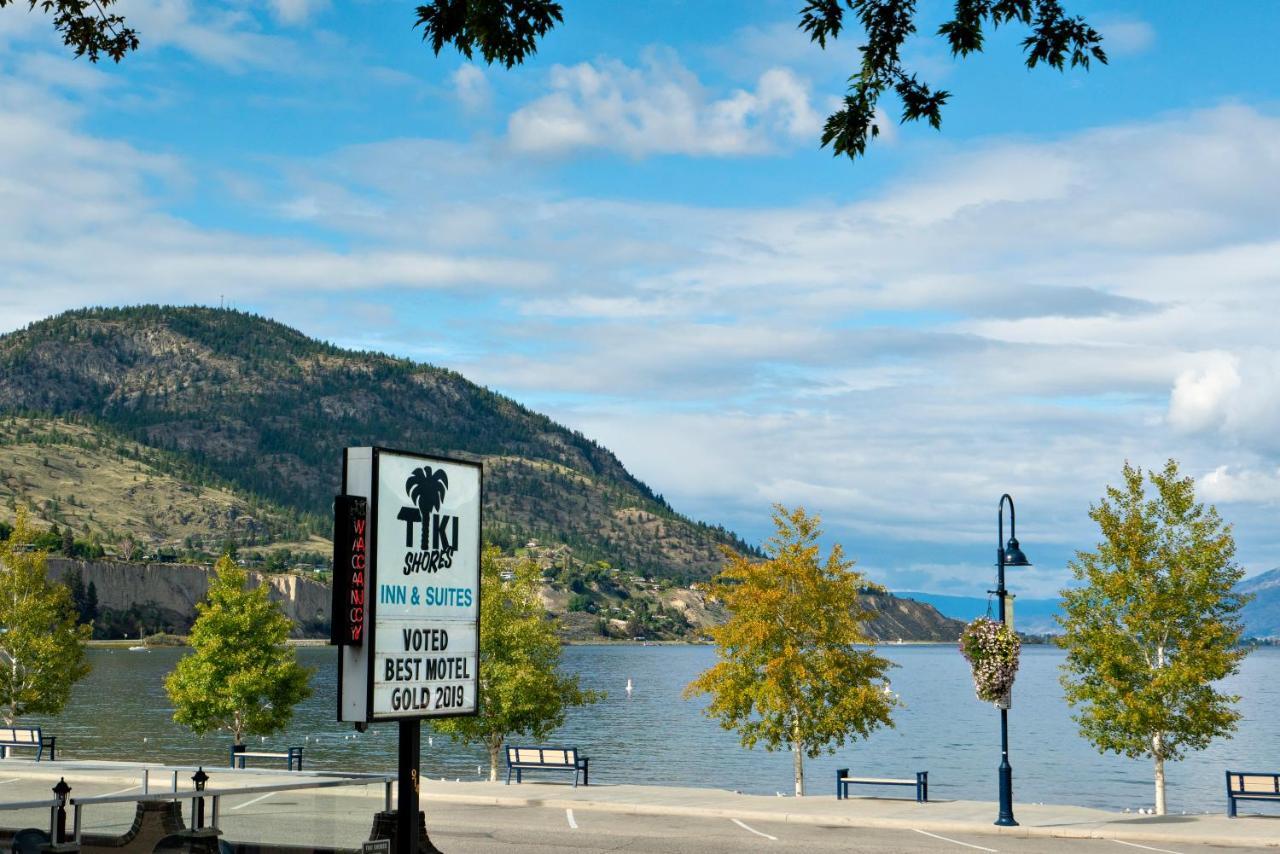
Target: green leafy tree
x: 1154, y: 623
x: 790, y: 673
x: 507, y: 32
x: 240, y: 676
x: 41, y: 646
x: 522, y: 691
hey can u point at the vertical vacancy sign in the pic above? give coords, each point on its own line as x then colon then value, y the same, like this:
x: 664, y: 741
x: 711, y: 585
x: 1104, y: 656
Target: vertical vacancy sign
x: 407, y: 586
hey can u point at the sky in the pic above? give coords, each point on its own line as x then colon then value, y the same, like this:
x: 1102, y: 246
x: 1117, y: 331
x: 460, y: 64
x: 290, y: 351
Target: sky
x: 638, y: 234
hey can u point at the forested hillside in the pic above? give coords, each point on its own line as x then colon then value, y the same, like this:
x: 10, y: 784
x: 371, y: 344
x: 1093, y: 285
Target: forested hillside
x: 227, y: 400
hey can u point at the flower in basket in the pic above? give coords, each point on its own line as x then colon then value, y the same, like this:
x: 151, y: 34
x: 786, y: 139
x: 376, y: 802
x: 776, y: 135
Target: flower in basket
x: 991, y: 649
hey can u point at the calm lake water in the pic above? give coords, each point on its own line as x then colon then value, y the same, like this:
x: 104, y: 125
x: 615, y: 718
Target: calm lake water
x: 121, y: 712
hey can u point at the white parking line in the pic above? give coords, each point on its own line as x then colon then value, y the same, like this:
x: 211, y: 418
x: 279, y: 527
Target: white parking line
x: 10, y: 780
x: 122, y: 791
x: 254, y: 801
x: 1145, y: 847
x: 753, y: 830
x: 956, y: 841
x: 569, y: 815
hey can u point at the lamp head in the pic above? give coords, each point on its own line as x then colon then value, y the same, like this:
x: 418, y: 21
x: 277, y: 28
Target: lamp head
x: 1013, y: 555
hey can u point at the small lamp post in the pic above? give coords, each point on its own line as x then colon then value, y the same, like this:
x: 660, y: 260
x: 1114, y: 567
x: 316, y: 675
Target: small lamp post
x: 199, y: 778
x: 60, y: 793
x: 1007, y: 554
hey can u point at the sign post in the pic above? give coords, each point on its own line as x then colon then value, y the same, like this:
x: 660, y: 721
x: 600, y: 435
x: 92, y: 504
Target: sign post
x: 406, y: 600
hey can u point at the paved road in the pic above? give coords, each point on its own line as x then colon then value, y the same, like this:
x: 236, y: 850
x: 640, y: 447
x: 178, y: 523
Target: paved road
x: 343, y: 818
x: 472, y: 830
x: 465, y: 829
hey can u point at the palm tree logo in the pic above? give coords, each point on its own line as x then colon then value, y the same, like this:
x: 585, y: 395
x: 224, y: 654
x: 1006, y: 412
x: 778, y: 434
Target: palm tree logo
x: 426, y: 488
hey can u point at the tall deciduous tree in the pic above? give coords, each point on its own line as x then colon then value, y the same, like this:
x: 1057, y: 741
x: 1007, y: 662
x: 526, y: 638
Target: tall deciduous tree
x: 1154, y: 624
x: 41, y: 646
x: 790, y: 673
x: 240, y: 675
x: 522, y: 691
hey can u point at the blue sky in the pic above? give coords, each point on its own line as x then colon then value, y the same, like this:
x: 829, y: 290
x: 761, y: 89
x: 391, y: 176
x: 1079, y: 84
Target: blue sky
x: 637, y: 233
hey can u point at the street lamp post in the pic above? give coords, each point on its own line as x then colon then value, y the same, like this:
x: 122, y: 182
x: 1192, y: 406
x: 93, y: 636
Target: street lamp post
x: 1006, y: 555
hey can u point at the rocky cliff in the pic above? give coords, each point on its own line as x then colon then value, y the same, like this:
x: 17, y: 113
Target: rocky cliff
x: 167, y: 593
x: 897, y: 618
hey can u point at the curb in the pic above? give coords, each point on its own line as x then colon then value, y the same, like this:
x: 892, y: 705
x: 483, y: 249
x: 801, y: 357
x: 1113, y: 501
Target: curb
x: 1080, y: 831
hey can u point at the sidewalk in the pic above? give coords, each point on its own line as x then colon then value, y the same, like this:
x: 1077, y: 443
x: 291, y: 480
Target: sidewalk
x: 823, y: 809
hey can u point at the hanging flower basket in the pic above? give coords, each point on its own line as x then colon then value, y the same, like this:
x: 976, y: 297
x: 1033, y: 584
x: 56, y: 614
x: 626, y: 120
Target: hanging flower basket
x: 991, y: 649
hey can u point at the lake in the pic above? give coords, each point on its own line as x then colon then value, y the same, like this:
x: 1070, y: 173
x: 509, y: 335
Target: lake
x: 120, y: 711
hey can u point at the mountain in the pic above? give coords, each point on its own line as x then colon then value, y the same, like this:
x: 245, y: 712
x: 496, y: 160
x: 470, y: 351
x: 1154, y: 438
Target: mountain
x: 233, y: 402
x: 1262, y: 615
x: 113, y: 492
x: 1033, y: 616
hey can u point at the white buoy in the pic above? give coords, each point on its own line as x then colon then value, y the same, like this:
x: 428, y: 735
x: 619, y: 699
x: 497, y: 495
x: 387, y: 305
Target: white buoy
x: 628, y: 686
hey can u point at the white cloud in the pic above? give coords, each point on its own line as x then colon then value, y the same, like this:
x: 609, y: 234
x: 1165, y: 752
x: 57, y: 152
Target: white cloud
x: 1228, y: 485
x: 1235, y: 396
x: 1126, y: 36
x: 224, y: 36
x: 471, y: 88
x: 1201, y: 395
x: 295, y: 12
x: 661, y: 108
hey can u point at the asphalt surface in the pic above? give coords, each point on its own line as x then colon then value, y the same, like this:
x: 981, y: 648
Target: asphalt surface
x: 472, y: 830
x: 343, y: 818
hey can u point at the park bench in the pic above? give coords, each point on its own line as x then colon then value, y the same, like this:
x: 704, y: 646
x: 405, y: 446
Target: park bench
x: 241, y: 752
x: 520, y: 759
x: 844, y: 781
x: 1251, y: 786
x: 27, y: 736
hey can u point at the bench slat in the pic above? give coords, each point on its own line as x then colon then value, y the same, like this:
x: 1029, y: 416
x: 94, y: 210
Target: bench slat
x: 1253, y: 783
x: 878, y: 781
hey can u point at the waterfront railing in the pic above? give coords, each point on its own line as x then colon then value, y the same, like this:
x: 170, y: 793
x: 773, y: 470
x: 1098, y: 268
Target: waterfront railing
x: 197, y: 796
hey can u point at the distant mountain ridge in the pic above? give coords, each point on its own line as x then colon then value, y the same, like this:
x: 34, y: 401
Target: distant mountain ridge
x: 1261, y: 616
x: 1034, y: 616
x: 266, y: 410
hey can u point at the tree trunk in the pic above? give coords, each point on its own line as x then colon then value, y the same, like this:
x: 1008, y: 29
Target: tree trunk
x: 1157, y: 744
x: 797, y: 751
x: 494, y: 748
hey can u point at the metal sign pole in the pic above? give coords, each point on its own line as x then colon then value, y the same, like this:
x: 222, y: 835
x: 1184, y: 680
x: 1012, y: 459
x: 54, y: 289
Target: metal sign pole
x: 407, y: 805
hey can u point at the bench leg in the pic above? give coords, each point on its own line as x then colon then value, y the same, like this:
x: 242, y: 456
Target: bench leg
x: 1231, y: 807
x: 508, y: 775
x: 840, y: 774
x: 586, y: 772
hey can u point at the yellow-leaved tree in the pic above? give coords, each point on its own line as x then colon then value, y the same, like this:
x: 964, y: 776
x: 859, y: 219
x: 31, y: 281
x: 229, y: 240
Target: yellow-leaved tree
x: 791, y: 673
x: 522, y: 691
x: 41, y: 647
